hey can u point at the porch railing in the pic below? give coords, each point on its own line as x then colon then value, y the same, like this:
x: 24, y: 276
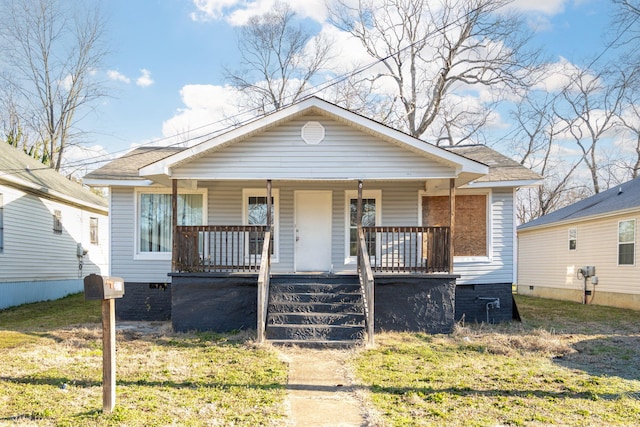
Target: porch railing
x: 263, y: 286
x: 219, y: 248
x: 408, y: 249
x: 365, y: 275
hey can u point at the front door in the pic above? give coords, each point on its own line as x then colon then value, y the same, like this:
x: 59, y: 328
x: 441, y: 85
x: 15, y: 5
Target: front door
x: 313, y: 231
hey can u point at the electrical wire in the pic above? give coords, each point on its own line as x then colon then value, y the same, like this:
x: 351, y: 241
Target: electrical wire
x: 105, y: 157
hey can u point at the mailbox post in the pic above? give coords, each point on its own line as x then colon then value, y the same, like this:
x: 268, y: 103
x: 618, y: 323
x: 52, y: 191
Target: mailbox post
x: 106, y: 289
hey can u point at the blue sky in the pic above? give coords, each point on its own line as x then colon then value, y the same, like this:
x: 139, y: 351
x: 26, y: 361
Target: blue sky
x: 165, y: 69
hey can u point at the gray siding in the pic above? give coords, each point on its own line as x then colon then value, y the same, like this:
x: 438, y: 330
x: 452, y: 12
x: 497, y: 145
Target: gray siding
x: 280, y: 153
x: 499, y: 267
x: 123, y: 223
x: 399, y: 205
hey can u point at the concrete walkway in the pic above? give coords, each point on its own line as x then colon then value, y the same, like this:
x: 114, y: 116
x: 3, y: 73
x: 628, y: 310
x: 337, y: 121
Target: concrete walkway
x: 321, y: 391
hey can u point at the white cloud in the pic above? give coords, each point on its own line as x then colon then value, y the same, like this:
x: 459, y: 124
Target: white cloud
x: 547, y: 7
x: 145, y: 79
x: 238, y: 12
x: 67, y: 82
x: 208, y: 108
x: 118, y: 76
x: 559, y: 75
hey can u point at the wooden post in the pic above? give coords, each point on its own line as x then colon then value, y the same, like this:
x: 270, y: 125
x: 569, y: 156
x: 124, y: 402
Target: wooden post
x: 359, y: 215
x: 269, y: 219
x: 174, y: 223
x: 108, y: 355
x: 452, y: 220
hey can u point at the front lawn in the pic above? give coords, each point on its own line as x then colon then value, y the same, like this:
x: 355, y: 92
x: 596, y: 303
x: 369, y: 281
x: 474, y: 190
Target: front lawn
x: 51, y: 358
x: 565, y: 364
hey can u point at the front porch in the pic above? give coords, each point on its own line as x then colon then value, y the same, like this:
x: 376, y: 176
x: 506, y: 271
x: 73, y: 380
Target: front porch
x: 216, y: 269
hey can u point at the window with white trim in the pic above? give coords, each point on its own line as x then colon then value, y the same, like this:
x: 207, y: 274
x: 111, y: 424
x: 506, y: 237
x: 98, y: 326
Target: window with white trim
x: 154, y: 230
x: 371, y: 209
x: 573, y: 239
x: 93, y: 230
x: 626, y: 242
x: 255, y: 213
x: 57, y: 222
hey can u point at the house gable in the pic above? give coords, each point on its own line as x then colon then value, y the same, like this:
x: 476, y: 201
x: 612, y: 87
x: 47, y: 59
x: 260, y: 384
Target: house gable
x: 463, y: 169
x: 343, y: 153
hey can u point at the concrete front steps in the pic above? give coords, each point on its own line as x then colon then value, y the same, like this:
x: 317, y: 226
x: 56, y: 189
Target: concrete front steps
x: 315, y: 310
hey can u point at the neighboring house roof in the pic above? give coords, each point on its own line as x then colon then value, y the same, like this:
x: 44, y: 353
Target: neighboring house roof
x: 618, y: 199
x: 28, y: 174
x: 502, y: 169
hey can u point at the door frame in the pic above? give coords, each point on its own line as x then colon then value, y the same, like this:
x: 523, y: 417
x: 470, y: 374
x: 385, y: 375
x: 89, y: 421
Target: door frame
x: 329, y: 238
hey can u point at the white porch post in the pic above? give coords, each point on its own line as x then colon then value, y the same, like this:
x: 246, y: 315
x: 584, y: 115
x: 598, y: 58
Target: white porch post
x: 452, y: 220
x: 174, y: 223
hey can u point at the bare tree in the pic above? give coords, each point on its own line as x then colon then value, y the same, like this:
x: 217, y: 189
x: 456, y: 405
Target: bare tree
x: 537, y: 143
x: 52, y: 49
x: 279, y: 59
x: 429, y: 50
x: 592, y: 107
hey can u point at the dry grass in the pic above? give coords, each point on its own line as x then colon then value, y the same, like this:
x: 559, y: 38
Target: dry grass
x: 53, y: 375
x: 565, y: 364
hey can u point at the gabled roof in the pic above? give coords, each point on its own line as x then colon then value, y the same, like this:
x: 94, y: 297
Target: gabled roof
x: 502, y: 169
x: 319, y: 106
x: 18, y: 170
x: 618, y: 199
x: 486, y: 166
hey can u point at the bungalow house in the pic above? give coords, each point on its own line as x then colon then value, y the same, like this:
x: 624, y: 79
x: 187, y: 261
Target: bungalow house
x: 52, y: 231
x: 313, y: 209
x: 600, y: 232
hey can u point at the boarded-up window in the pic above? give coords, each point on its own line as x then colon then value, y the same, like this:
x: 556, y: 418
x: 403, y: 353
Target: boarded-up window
x: 470, y: 234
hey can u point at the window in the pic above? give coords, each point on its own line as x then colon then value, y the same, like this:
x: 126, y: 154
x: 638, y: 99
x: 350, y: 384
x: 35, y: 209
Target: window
x: 471, y: 229
x: 1, y: 224
x: 57, y: 222
x: 626, y: 242
x: 573, y: 239
x: 93, y: 230
x: 255, y: 208
x: 370, y: 218
x: 154, y: 219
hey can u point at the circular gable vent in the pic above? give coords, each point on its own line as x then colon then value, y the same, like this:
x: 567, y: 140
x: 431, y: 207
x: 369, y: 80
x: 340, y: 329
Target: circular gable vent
x: 313, y: 133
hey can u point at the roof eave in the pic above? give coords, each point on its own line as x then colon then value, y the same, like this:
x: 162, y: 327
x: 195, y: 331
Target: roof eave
x: 567, y: 221
x: 53, y: 194
x: 505, y: 184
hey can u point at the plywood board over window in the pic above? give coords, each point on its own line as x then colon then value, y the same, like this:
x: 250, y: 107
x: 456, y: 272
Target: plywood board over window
x: 470, y: 238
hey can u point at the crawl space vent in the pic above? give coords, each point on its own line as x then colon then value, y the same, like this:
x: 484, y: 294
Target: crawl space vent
x: 312, y: 133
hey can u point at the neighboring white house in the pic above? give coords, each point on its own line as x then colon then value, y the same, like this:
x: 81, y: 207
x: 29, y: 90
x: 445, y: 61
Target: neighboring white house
x: 600, y: 231
x: 313, y: 154
x: 47, y: 223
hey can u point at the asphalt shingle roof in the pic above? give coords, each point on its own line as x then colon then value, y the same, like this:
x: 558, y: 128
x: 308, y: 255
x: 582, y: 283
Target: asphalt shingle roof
x: 501, y: 167
x: 621, y: 197
x: 18, y: 169
x: 126, y: 167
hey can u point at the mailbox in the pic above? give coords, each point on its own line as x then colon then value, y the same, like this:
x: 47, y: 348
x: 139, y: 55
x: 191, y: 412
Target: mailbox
x: 102, y: 287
